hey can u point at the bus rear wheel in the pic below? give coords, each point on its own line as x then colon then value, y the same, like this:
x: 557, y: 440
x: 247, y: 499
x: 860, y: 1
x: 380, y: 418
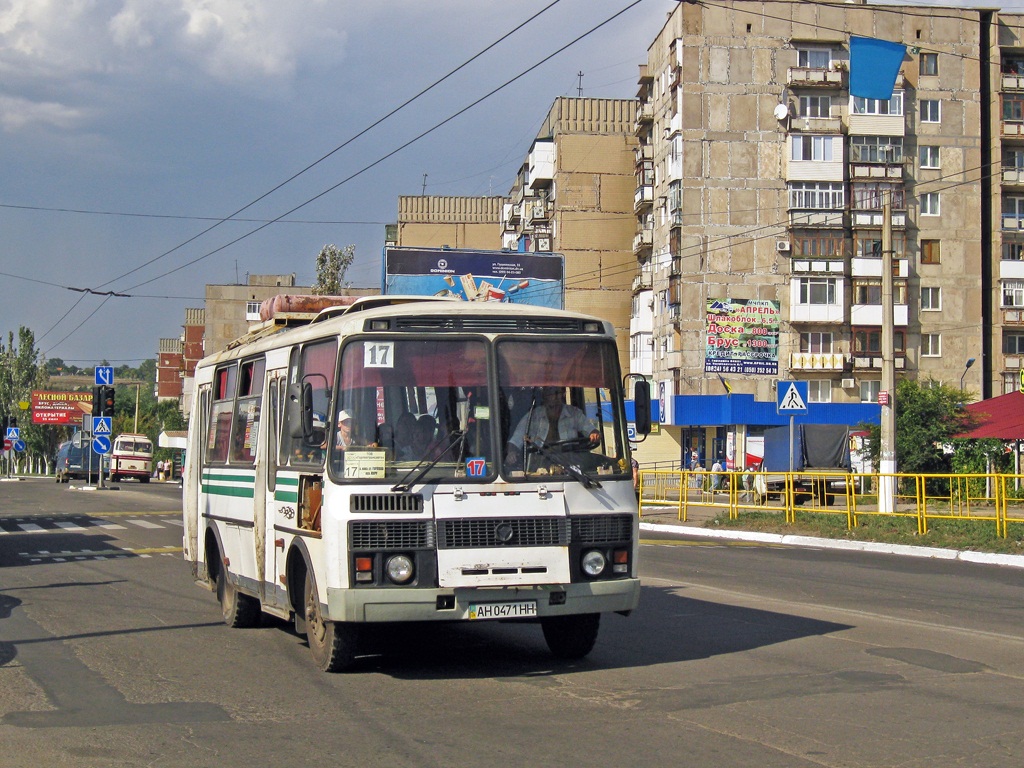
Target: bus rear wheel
x: 571, y: 637
x: 332, y: 643
x: 238, y: 610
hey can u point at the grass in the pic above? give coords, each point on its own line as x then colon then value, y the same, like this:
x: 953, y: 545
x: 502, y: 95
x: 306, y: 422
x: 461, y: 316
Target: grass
x: 977, y: 535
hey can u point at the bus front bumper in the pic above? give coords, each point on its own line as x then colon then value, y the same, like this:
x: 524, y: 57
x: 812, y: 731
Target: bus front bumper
x: 415, y: 604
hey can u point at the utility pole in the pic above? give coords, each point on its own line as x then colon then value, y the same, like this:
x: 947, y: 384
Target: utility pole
x: 579, y: 88
x: 887, y: 395
x: 423, y: 192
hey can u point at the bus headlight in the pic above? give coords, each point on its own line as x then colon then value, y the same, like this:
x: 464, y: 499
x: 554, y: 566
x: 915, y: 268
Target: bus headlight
x: 593, y: 563
x: 399, y: 569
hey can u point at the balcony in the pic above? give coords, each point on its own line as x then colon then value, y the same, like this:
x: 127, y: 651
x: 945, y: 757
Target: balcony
x: 875, y: 218
x: 803, y: 266
x: 871, y: 314
x: 872, y: 267
x: 644, y: 197
x: 539, y: 210
x: 1011, y: 270
x: 863, y: 361
x: 808, y: 361
x: 1013, y: 82
x: 1013, y: 223
x: 643, y: 242
x: 816, y: 313
x: 810, y: 77
x: 1013, y: 128
x: 815, y: 218
x: 1013, y: 176
x: 816, y: 125
x: 542, y: 164
x: 644, y: 117
x: 642, y: 282
x: 876, y: 170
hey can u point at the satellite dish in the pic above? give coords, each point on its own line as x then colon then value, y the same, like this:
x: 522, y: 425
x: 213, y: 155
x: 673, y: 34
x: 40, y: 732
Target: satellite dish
x: 781, y: 112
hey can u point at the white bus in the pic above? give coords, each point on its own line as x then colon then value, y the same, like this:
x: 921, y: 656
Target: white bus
x: 131, y: 456
x: 373, y: 466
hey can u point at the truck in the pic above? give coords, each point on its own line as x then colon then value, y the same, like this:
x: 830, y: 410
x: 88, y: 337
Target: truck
x: 820, y: 450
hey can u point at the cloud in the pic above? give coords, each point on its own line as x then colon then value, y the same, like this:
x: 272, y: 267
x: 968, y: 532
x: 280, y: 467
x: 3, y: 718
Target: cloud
x: 17, y: 114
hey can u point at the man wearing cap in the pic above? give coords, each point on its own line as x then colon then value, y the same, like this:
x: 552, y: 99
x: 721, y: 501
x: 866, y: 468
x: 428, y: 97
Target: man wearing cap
x: 344, y: 436
x: 554, y: 421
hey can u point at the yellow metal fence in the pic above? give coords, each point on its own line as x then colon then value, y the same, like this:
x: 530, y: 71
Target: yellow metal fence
x: 995, y: 499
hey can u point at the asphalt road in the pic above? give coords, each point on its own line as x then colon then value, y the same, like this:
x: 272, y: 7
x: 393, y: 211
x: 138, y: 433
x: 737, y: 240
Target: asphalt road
x: 739, y: 655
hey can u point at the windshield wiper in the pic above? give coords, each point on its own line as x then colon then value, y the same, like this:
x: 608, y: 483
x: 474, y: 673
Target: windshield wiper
x: 456, y: 437
x: 555, y: 457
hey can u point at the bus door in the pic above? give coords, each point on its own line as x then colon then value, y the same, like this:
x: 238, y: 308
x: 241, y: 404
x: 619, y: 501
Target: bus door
x: 193, y: 504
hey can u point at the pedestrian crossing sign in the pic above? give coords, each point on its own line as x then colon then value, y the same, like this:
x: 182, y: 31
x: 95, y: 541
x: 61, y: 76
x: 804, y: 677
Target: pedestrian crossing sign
x: 791, y: 397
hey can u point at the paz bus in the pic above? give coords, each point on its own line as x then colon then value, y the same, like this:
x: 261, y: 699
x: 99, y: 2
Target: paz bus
x: 371, y: 465
x: 131, y: 456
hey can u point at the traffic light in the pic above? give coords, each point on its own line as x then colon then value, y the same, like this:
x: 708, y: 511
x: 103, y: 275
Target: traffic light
x: 106, y: 401
x: 97, y: 397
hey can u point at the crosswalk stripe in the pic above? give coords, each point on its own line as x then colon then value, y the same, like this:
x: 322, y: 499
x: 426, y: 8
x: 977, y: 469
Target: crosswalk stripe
x: 143, y: 523
x: 31, y: 527
x: 69, y: 526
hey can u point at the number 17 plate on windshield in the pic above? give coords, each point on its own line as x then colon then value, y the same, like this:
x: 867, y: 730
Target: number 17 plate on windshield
x: 510, y: 610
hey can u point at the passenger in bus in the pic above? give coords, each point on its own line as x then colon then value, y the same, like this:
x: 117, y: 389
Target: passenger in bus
x: 344, y: 434
x: 550, y: 422
x: 405, y: 437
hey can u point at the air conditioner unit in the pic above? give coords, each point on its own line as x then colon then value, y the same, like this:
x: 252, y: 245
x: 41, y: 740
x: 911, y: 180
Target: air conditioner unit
x: 782, y: 246
x: 543, y: 243
x: 849, y: 383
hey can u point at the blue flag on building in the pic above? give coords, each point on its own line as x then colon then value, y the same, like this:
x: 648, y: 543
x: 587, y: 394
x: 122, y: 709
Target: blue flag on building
x: 874, y: 65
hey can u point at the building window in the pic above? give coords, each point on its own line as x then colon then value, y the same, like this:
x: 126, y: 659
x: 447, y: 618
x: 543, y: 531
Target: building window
x: 819, y: 391
x: 869, y: 391
x: 817, y: 149
x: 816, y: 343
x: 1013, y: 251
x: 869, y: 293
x: 817, y: 195
x: 813, y: 58
x: 1013, y: 343
x: 929, y: 156
x: 931, y: 345
x: 1013, y: 294
x: 930, y: 111
x: 930, y: 204
x: 876, y: 149
x: 929, y: 64
x: 818, y: 244
x: 870, y: 196
x: 1013, y: 159
x: 931, y: 299
x: 893, y: 106
x: 817, y: 290
x: 1011, y: 382
x: 867, y: 244
x: 1013, y: 107
x: 929, y: 251
x: 815, y: 106
x: 1013, y: 207
x: 868, y: 341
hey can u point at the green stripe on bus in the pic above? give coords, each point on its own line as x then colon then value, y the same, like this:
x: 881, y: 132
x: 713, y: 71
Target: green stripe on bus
x: 229, y: 490
x: 292, y: 496
x: 226, y: 478
x: 288, y: 481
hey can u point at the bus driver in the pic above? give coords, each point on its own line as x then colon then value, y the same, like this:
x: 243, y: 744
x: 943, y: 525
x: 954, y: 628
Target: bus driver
x: 555, y: 421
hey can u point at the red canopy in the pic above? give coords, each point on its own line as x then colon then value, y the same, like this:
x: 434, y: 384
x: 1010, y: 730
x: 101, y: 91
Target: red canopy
x: 999, y: 417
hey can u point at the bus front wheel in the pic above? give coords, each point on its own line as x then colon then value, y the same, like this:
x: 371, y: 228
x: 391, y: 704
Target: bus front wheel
x: 571, y: 637
x: 333, y: 644
x: 239, y: 610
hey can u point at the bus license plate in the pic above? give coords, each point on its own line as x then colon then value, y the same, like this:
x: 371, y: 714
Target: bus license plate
x: 502, y: 610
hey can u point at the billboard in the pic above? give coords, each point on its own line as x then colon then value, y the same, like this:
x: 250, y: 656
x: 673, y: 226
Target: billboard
x: 508, y: 276
x: 742, y: 336
x: 59, y: 407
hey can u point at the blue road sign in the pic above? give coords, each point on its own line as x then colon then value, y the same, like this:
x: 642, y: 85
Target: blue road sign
x: 104, y: 375
x: 101, y: 444
x: 19, y: 445
x: 13, y: 433
x: 101, y: 425
x: 791, y: 397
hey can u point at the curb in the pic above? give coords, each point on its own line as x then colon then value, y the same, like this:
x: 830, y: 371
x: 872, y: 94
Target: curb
x: 904, y: 550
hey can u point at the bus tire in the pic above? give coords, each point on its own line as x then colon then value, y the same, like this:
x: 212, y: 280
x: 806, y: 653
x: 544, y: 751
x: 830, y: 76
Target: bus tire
x: 571, y: 637
x: 332, y: 643
x: 238, y: 610
x: 144, y: 479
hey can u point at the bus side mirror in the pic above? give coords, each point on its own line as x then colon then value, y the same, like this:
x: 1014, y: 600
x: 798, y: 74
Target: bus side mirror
x: 642, y: 407
x: 299, y: 410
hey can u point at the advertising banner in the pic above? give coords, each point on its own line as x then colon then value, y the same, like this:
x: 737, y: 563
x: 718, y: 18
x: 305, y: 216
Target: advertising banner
x: 508, y: 276
x: 742, y: 336
x: 59, y: 407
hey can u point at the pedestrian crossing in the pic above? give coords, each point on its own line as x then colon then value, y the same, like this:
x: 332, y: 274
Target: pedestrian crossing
x: 83, y: 524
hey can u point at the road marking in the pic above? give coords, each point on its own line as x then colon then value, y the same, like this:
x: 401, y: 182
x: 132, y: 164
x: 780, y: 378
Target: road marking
x: 31, y: 527
x: 143, y: 523
x: 69, y: 526
x: 101, y: 554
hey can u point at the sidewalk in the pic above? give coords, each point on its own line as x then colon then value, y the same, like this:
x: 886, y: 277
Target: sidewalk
x: 662, y: 520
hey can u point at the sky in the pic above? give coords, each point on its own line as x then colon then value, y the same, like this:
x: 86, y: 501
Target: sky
x: 129, y: 129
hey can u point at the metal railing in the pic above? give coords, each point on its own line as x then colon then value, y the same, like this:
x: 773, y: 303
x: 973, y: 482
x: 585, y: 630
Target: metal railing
x: 995, y: 499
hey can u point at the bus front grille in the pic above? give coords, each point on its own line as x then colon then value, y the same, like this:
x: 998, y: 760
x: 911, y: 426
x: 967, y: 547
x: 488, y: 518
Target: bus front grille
x: 390, y: 534
x: 503, y: 532
x: 601, y: 529
x: 387, y: 502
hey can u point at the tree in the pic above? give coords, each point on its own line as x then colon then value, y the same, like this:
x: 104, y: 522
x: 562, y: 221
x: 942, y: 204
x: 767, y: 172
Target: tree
x: 21, y: 371
x: 331, y: 264
x: 928, y: 416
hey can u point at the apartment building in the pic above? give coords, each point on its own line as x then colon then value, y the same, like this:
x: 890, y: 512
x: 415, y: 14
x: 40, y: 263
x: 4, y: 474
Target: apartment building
x: 574, y: 196
x: 763, y: 183
x: 455, y: 222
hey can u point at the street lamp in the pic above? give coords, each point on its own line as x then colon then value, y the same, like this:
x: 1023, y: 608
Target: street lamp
x: 967, y: 367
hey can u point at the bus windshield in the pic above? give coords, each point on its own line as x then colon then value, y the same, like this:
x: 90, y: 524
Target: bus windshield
x: 426, y: 409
